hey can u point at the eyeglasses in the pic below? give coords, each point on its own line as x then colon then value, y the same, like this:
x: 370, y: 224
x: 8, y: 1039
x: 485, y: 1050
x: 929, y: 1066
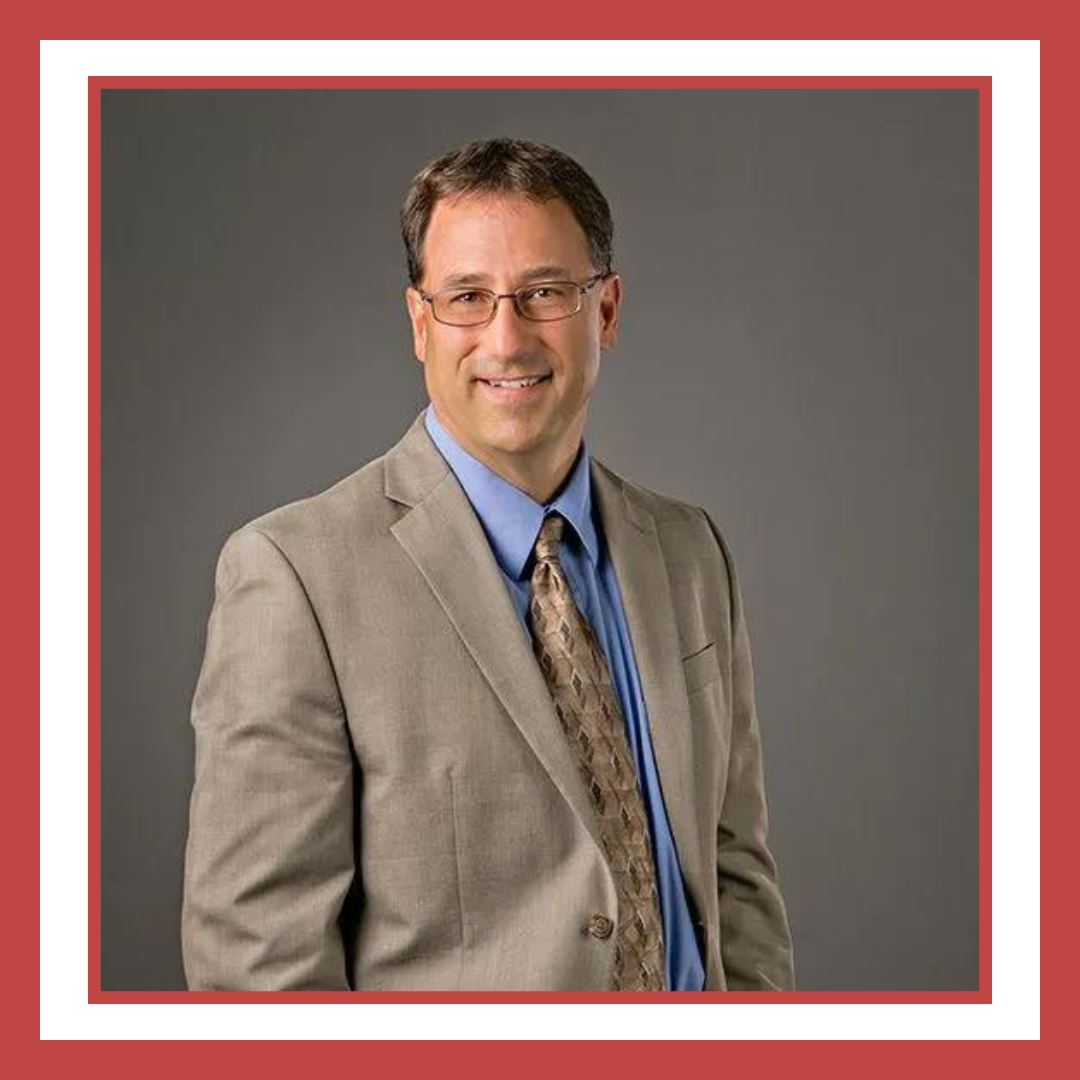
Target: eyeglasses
x: 544, y: 301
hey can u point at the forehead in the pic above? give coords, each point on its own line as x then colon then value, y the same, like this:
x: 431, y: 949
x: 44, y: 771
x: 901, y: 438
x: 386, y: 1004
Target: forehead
x: 497, y: 235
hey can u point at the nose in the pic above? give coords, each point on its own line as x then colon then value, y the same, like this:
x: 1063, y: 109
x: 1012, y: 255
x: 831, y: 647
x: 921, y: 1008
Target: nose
x: 508, y: 335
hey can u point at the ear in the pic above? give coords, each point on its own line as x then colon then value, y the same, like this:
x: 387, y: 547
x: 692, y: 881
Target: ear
x: 418, y: 316
x: 610, y: 299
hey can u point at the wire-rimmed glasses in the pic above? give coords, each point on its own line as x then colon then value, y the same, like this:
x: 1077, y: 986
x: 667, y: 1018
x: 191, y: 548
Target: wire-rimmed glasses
x: 542, y: 301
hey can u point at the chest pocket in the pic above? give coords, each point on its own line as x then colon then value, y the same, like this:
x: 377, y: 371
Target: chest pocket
x: 710, y: 721
x: 701, y: 668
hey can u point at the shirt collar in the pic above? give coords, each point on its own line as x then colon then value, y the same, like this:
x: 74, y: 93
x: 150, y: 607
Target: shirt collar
x: 511, y: 519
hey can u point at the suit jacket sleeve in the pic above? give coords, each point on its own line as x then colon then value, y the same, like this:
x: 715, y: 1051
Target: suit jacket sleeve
x: 755, y: 937
x: 270, y: 849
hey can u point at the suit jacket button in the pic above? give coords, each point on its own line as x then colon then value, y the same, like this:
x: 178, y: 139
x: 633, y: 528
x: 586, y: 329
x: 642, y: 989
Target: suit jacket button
x: 600, y: 926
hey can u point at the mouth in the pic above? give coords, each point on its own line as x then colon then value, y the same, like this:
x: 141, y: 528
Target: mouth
x: 523, y: 389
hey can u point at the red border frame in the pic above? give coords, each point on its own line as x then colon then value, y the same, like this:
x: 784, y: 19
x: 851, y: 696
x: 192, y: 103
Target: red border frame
x: 983, y: 85
x: 21, y: 642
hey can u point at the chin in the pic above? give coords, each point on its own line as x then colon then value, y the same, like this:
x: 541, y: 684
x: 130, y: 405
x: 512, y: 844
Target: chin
x: 507, y: 443
x: 514, y: 439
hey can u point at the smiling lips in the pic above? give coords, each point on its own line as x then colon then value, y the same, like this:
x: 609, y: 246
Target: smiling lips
x: 519, y: 381
x: 515, y: 389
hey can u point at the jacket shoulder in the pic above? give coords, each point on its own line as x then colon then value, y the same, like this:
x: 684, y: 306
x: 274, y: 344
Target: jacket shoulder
x: 665, y: 510
x: 346, y: 510
x: 686, y: 531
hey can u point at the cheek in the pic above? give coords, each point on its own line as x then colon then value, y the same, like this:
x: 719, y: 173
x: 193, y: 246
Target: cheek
x: 444, y: 362
x: 578, y: 352
x: 582, y: 365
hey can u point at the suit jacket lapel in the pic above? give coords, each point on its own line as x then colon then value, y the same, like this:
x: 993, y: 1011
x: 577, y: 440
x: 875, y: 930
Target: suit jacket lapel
x: 442, y: 535
x: 634, y: 548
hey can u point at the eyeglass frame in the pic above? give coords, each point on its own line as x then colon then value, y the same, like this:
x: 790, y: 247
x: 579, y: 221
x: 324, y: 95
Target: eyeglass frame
x: 582, y: 286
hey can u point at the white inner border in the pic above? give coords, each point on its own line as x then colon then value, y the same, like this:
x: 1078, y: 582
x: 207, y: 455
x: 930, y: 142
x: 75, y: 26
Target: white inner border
x: 65, y: 66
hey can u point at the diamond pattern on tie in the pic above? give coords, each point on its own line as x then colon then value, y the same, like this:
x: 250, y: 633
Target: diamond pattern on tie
x: 577, y: 675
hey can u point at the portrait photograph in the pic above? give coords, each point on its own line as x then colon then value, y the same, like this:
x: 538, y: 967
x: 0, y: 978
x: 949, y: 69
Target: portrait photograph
x: 540, y: 539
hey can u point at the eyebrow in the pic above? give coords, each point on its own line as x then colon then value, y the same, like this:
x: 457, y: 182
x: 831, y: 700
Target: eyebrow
x: 548, y: 271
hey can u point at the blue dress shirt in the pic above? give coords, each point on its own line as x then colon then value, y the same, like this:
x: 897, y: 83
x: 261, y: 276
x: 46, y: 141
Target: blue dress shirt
x: 511, y: 521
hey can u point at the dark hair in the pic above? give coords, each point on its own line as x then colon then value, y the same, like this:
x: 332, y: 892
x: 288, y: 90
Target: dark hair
x: 511, y: 167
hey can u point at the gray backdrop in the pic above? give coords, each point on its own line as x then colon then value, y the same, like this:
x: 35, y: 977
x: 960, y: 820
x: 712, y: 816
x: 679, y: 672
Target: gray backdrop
x: 798, y: 353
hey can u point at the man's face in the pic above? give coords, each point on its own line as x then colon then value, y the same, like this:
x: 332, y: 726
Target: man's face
x: 502, y: 243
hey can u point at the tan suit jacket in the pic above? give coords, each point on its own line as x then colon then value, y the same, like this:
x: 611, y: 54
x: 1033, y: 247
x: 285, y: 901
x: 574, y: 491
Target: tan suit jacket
x: 383, y: 796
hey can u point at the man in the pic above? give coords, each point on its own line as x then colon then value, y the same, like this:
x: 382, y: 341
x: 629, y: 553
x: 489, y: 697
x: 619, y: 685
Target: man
x: 481, y: 715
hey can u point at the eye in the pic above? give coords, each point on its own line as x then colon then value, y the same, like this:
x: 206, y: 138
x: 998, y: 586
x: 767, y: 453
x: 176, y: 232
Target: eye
x: 465, y: 298
x: 550, y: 291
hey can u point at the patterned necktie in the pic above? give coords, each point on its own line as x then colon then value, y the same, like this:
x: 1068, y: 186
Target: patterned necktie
x: 587, y: 705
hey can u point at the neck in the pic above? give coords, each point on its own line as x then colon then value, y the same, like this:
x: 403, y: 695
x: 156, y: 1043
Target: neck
x: 539, y: 478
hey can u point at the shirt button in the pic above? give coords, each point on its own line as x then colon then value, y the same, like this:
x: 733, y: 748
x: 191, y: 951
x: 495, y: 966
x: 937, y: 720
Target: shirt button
x: 600, y: 926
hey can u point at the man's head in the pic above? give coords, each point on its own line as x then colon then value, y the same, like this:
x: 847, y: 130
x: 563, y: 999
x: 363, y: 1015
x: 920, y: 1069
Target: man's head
x: 496, y: 217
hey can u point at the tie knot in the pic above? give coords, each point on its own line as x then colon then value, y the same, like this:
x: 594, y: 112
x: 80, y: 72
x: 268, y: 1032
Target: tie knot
x: 547, y: 543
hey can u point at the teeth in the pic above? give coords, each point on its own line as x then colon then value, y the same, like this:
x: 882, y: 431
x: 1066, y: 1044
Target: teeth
x: 514, y: 382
